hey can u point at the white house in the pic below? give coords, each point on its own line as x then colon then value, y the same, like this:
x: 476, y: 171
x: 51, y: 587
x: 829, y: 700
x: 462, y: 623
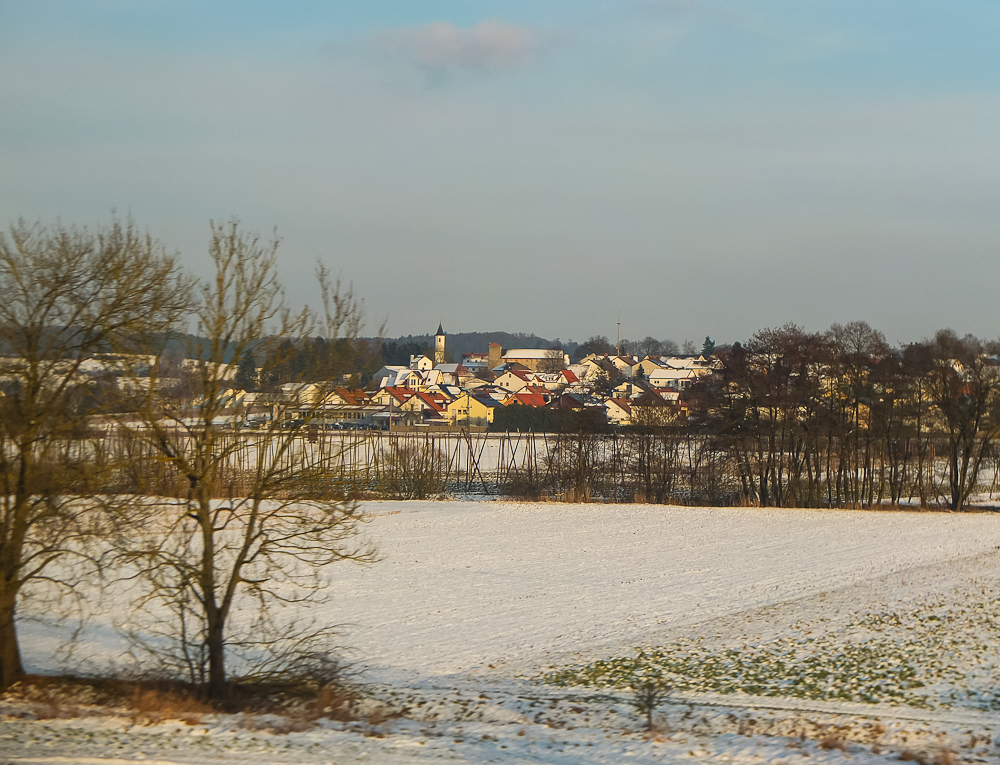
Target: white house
x: 676, y: 379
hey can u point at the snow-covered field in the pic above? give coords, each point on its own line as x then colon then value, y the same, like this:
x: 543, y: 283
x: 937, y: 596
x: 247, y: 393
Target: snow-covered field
x: 474, y: 602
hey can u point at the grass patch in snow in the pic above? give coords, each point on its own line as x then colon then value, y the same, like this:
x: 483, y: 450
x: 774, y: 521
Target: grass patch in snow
x: 932, y: 656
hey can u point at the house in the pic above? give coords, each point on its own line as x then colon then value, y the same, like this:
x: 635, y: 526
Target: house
x: 668, y: 395
x: 421, y: 363
x: 393, y: 396
x: 569, y: 376
x: 652, y: 409
x: 448, y: 392
x: 476, y: 362
x: 593, y: 367
x: 579, y: 377
x: 647, y: 365
x: 527, y: 398
x: 670, y: 377
x: 398, y: 377
x: 346, y: 397
x: 574, y: 401
x: 474, y: 383
x: 541, y: 390
x: 619, y: 411
x: 430, y: 379
x: 117, y: 364
x: 535, y: 359
x: 318, y: 403
x: 386, y: 376
x: 472, y: 409
x: 623, y: 364
x: 340, y: 406
x: 347, y: 415
x: 630, y: 388
x: 453, y: 374
x: 514, y: 380
x: 687, y: 362
x: 432, y: 406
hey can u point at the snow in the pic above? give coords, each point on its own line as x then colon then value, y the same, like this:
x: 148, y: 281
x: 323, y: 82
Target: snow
x: 473, y: 602
x: 461, y: 583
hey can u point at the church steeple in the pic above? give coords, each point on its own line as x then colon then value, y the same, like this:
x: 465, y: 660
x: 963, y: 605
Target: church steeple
x: 439, y: 346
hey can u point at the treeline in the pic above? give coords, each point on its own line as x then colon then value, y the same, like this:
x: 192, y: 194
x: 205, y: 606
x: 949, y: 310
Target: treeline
x: 798, y: 419
x: 274, y: 361
x: 648, y: 346
x: 399, y: 349
x: 266, y: 365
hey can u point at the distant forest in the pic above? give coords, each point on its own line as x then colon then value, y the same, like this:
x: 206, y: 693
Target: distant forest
x: 397, y: 350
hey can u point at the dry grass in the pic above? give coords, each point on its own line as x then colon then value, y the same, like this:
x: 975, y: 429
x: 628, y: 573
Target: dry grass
x: 335, y: 703
x: 149, y: 706
x: 49, y: 698
x: 275, y: 708
x: 151, y: 701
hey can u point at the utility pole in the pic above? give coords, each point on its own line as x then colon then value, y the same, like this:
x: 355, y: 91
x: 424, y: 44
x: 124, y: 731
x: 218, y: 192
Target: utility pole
x: 618, y: 344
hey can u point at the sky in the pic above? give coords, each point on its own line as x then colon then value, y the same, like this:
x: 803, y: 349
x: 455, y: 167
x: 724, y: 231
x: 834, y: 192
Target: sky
x: 700, y: 167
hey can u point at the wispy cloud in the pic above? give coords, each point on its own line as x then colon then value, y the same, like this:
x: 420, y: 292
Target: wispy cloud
x: 441, y: 47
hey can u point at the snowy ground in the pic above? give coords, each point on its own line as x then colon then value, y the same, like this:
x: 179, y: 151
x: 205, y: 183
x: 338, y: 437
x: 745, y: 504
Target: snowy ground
x: 474, y: 602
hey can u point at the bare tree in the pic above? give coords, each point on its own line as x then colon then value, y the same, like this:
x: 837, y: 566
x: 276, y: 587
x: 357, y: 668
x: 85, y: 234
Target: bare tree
x: 415, y: 468
x: 598, y: 344
x: 964, y: 388
x: 648, y: 346
x: 654, y: 447
x: 258, y: 519
x: 858, y: 349
x: 669, y: 348
x: 554, y: 361
x: 67, y: 293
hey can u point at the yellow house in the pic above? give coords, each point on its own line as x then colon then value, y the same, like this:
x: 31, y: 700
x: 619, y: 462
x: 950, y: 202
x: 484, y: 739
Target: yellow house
x: 472, y: 410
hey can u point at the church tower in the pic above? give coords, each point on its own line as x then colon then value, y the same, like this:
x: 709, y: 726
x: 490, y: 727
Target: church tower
x: 439, y: 346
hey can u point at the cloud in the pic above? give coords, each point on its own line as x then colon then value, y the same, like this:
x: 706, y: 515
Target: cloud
x: 440, y: 46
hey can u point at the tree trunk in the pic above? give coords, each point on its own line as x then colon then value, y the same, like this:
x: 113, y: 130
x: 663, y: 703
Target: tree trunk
x: 11, y: 669
x: 217, y: 686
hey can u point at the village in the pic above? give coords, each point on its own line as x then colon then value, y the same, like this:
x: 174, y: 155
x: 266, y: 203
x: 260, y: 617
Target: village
x: 430, y: 393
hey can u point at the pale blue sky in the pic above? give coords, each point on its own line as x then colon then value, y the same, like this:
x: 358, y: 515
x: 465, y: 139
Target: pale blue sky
x: 703, y: 167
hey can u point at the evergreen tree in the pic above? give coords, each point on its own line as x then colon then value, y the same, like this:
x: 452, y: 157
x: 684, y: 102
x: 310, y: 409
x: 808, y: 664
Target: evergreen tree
x: 246, y: 372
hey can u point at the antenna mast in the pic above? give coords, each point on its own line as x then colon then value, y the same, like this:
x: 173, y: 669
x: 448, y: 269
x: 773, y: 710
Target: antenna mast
x: 618, y: 344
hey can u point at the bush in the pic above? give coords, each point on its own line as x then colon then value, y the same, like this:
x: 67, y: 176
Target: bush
x: 413, y: 469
